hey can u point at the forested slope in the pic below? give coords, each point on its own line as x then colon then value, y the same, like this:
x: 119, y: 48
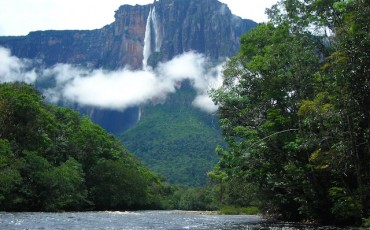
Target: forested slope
x: 52, y: 159
x: 175, y: 139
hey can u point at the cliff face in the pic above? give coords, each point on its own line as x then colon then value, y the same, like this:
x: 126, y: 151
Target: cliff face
x: 205, y: 26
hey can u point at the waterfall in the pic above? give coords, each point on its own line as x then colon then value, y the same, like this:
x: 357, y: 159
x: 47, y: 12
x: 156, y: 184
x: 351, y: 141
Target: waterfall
x: 158, y: 40
x: 139, y: 115
x: 147, y: 50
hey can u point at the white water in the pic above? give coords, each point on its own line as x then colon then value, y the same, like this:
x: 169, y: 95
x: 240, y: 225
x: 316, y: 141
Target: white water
x: 158, y: 40
x: 152, y: 20
x: 147, y: 50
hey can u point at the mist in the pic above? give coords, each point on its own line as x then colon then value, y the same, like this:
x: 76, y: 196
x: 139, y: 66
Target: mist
x: 121, y: 89
x: 15, y: 69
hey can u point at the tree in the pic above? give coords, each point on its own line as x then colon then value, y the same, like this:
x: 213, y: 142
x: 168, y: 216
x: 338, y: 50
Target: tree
x: 116, y: 185
x: 259, y: 101
x: 51, y: 159
x: 10, y: 178
x: 33, y: 190
x: 341, y: 111
x: 66, y: 187
x: 27, y: 117
x: 295, y: 112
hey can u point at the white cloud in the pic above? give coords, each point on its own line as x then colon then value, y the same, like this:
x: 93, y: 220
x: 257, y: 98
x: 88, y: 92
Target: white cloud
x: 124, y: 88
x: 205, y: 103
x: 114, y: 90
x: 120, y: 89
x: 186, y: 66
x: 15, y: 69
x: 212, y: 79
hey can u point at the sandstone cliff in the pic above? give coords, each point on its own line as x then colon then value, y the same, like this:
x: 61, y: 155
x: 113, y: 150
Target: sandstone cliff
x: 205, y: 26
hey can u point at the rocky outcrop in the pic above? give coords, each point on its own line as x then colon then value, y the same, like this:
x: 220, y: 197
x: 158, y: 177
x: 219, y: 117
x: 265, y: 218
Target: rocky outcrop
x: 205, y: 26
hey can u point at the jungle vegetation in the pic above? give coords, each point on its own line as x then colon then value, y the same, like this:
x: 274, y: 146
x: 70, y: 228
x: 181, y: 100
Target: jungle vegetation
x: 52, y: 159
x: 295, y: 113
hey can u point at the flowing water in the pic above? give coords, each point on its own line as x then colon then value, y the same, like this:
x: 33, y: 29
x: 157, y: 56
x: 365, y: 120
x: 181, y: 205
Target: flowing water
x: 147, y: 49
x: 138, y: 220
x: 158, y: 41
x: 151, y: 21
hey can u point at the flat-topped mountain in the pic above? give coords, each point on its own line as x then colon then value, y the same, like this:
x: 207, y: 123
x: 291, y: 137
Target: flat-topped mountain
x: 206, y: 26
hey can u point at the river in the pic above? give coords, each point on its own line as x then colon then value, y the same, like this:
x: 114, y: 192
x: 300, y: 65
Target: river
x: 138, y: 220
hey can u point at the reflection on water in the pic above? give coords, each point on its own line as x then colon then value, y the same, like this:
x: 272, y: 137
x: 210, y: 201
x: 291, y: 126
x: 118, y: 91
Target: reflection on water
x: 139, y: 220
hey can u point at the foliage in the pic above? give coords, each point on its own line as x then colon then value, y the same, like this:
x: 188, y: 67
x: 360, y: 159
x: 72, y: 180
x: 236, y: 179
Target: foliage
x: 193, y: 198
x: 51, y: 159
x: 366, y: 222
x: 117, y: 186
x: 66, y: 186
x: 176, y: 139
x: 295, y: 114
x: 232, y: 210
x: 10, y: 178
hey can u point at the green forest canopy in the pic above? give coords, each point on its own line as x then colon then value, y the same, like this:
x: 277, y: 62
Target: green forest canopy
x: 295, y: 112
x: 52, y: 159
x: 176, y: 139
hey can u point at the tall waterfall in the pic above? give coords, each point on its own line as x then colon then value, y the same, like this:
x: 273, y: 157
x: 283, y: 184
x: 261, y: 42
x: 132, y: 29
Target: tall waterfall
x: 158, y: 40
x: 147, y: 50
x: 152, y: 20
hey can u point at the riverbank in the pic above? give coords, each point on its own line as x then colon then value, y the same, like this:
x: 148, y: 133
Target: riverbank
x: 197, y: 212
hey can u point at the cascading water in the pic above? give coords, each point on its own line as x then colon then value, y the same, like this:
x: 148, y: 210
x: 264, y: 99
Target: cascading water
x: 152, y: 20
x: 147, y: 50
x: 139, y: 115
x: 158, y: 40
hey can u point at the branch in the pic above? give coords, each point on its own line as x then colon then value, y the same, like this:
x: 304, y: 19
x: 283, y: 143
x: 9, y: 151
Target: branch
x: 277, y: 133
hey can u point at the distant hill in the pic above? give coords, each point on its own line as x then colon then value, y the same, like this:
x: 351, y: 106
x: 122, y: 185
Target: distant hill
x: 175, y: 139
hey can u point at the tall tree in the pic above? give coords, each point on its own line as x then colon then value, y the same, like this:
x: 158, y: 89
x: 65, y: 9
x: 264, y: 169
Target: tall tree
x: 295, y: 112
x: 341, y: 110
